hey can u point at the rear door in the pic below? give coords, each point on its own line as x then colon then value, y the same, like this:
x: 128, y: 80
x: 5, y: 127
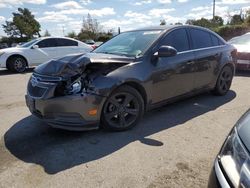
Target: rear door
x: 66, y: 47
x: 173, y: 76
x: 208, y: 51
x: 45, y: 52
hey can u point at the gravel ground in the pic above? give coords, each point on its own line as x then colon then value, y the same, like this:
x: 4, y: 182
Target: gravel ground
x: 173, y: 146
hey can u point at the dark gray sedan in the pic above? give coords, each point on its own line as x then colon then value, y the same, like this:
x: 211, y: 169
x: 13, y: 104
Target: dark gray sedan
x: 133, y: 72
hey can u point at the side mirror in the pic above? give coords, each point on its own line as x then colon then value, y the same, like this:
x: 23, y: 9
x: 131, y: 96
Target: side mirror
x: 166, y: 51
x: 35, y: 46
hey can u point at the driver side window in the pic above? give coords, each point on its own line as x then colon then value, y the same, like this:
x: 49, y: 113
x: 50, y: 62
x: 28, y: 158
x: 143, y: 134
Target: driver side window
x: 177, y: 39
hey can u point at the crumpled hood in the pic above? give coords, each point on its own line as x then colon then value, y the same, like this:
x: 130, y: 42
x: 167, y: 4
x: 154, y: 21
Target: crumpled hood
x: 72, y: 65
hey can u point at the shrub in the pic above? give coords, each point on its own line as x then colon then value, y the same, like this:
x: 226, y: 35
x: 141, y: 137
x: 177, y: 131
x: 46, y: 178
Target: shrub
x: 230, y: 31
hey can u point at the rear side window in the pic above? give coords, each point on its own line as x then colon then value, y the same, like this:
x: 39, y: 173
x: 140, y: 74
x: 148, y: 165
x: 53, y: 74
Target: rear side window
x: 177, y: 39
x: 47, y: 43
x: 200, y: 38
x: 66, y: 42
x: 215, y: 40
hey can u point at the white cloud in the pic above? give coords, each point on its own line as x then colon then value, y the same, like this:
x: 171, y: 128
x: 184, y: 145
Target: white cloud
x: 2, y: 19
x: 207, y: 12
x: 135, y: 15
x: 102, y: 12
x: 67, y: 5
x: 20, y: 2
x: 143, y: 2
x: 63, y: 15
x: 10, y: 3
x: 164, y: 1
x: 54, y: 17
x: 159, y: 12
x: 85, y: 2
x: 232, y: 2
x: 183, y: 1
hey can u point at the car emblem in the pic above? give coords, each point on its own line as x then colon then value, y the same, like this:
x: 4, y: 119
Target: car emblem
x: 34, y: 81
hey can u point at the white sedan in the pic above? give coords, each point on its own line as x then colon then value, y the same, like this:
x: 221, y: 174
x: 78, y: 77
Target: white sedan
x: 39, y: 51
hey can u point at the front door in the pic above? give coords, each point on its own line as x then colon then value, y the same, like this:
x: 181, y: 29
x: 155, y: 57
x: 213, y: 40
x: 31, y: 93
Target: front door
x: 173, y: 76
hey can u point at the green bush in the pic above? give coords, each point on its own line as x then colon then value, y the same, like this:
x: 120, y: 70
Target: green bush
x: 230, y: 31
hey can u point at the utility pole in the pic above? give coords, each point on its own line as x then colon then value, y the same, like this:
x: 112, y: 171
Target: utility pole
x: 63, y: 30
x: 213, y: 9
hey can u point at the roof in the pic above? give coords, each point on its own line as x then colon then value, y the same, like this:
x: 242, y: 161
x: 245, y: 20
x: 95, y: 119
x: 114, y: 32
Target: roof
x: 168, y: 27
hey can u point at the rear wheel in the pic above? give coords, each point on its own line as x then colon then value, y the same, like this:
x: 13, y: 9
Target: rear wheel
x: 224, y: 81
x: 123, y: 109
x: 16, y: 64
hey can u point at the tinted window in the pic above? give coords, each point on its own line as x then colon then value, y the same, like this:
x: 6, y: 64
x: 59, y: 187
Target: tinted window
x: 66, y: 42
x: 46, y: 43
x: 177, y: 39
x: 215, y: 40
x: 201, y: 39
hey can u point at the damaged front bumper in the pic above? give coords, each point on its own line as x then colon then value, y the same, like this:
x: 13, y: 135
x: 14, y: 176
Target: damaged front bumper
x: 74, y: 112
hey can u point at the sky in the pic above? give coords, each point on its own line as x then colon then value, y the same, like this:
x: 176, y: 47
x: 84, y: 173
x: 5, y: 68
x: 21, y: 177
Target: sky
x: 62, y: 17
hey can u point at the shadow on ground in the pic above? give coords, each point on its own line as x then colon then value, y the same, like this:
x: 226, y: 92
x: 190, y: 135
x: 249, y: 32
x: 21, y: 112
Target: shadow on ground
x: 32, y: 141
x: 242, y: 73
x: 4, y: 72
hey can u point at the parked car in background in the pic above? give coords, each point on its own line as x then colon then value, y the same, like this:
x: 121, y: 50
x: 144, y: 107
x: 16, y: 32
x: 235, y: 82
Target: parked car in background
x: 133, y: 72
x: 97, y: 44
x: 39, y: 51
x: 3, y: 45
x: 232, y: 165
x: 90, y: 42
x: 242, y: 43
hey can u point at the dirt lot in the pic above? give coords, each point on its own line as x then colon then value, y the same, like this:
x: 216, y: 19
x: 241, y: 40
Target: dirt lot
x: 173, y: 146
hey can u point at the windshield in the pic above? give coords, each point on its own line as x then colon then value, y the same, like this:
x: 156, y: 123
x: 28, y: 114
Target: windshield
x: 28, y: 44
x: 241, y: 40
x: 133, y: 43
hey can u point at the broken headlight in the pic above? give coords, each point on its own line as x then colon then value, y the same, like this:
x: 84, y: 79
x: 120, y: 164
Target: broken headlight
x: 235, y: 160
x: 74, y: 88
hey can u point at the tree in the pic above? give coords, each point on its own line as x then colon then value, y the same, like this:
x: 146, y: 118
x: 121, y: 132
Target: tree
x: 46, y: 33
x: 90, y: 29
x: 247, y: 19
x: 236, y: 20
x: 217, y: 21
x: 24, y: 24
x: 208, y: 23
x: 163, y: 22
x: 72, y: 34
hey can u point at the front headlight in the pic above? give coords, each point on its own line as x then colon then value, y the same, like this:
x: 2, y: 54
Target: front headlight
x: 234, y: 159
x: 75, y: 87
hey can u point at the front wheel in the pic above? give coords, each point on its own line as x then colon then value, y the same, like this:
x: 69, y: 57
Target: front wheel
x: 224, y: 81
x: 16, y: 64
x: 123, y: 109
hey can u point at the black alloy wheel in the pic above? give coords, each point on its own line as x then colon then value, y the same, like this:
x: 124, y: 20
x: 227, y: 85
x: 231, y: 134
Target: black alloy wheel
x: 224, y: 81
x: 17, y: 64
x: 123, y: 109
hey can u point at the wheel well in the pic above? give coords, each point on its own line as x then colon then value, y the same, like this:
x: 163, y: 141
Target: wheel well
x: 140, y: 89
x: 17, y: 55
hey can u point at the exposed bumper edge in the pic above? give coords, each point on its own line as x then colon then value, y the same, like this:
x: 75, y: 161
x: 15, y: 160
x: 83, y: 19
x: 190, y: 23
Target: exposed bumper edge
x: 68, y: 112
x: 220, y: 176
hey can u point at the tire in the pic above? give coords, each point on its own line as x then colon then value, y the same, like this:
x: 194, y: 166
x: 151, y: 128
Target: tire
x: 16, y: 64
x: 224, y: 81
x: 123, y: 109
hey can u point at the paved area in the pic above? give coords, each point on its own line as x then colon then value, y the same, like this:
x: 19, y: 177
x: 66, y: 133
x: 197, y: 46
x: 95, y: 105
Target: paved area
x: 174, y: 146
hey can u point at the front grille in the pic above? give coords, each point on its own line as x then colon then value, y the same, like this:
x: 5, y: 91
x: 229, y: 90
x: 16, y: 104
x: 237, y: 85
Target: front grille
x: 45, y: 78
x: 243, y: 55
x: 36, y: 91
